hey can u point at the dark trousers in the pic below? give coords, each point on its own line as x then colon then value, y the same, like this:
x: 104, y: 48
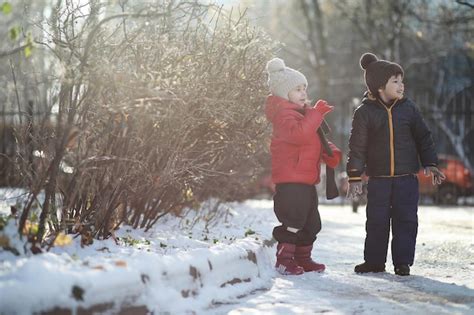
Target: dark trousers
x: 392, y: 199
x: 296, y: 206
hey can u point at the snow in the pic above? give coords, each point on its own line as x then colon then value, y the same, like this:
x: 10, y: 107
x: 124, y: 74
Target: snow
x: 220, y: 265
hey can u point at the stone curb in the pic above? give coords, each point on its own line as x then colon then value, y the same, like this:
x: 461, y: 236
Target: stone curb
x: 215, y: 271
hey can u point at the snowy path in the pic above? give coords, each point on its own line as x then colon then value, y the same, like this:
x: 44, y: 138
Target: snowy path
x: 442, y: 280
x: 170, y: 268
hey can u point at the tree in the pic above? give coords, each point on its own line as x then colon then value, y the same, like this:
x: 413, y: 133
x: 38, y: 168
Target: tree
x: 158, y: 108
x: 429, y: 39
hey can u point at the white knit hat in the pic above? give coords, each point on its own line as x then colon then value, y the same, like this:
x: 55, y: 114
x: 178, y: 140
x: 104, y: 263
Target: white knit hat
x: 282, y: 79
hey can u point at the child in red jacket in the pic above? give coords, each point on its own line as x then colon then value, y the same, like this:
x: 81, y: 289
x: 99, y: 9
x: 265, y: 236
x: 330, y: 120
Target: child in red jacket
x: 296, y: 163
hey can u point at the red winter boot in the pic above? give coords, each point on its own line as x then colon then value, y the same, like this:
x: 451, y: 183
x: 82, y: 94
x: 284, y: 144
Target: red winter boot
x: 286, y: 264
x: 303, y: 259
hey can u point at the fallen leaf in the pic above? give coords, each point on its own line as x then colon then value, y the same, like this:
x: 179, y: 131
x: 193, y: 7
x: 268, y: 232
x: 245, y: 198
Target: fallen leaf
x: 121, y: 263
x: 62, y: 240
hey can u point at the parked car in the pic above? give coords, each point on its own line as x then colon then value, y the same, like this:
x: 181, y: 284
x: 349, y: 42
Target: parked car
x: 458, y: 181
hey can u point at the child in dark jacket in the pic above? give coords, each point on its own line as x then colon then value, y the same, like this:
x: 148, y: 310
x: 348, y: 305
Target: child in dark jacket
x: 296, y: 162
x: 388, y: 140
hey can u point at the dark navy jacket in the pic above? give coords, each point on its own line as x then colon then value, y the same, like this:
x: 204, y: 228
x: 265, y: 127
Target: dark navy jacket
x: 389, y: 140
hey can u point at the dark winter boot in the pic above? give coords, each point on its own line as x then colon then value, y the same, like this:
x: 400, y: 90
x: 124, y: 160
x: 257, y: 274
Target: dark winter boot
x: 303, y: 259
x: 402, y: 270
x: 366, y: 267
x: 286, y: 264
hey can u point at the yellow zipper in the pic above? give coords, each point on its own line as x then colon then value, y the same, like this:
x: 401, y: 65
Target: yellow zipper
x: 390, y: 126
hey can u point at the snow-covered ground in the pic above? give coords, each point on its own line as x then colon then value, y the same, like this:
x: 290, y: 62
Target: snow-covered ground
x: 217, y: 265
x: 442, y: 280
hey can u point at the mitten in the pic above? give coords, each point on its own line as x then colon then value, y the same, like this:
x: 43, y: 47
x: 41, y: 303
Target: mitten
x: 323, y: 107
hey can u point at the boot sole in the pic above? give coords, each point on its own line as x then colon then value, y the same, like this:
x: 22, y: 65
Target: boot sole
x: 289, y: 273
x: 370, y: 271
x: 282, y: 270
x: 318, y: 271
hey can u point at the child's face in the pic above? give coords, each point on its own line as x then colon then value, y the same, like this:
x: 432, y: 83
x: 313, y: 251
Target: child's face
x: 298, y: 95
x: 393, y: 89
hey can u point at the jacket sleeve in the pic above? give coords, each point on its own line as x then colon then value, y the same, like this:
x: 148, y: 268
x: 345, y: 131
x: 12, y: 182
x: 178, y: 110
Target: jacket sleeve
x: 358, y: 142
x: 424, y: 140
x: 332, y: 161
x: 295, y: 128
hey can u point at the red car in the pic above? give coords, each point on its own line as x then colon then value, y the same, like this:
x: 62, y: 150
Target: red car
x: 458, y: 181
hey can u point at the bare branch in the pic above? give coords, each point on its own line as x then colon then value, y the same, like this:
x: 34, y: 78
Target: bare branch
x: 13, y: 51
x: 466, y: 3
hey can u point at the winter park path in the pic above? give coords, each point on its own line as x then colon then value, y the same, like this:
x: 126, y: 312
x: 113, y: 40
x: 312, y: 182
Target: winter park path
x: 442, y: 280
x: 181, y: 267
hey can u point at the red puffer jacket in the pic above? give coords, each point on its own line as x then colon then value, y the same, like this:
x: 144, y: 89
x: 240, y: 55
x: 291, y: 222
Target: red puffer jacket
x: 296, y: 148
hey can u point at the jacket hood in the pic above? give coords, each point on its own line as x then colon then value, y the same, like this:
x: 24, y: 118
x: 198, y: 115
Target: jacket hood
x: 274, y: 104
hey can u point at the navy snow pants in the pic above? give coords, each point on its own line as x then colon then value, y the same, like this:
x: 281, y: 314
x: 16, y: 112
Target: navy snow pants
x: 392, y: 199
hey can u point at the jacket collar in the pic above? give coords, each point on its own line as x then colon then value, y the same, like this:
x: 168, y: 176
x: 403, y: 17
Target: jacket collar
x: 368, y: 98
x: 274, y: 104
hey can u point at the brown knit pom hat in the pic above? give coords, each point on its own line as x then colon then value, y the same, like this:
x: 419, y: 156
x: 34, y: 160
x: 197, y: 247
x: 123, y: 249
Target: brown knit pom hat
x: 377, y: 72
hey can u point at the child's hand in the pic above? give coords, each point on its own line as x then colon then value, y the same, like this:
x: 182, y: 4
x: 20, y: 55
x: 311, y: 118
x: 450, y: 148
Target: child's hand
x: 437, y: 176
x: 323, y: 107
x: 355, y: 189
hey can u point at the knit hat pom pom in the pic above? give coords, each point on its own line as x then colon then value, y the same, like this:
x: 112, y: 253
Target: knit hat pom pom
x: 274, y: 65
x: 367, y: 59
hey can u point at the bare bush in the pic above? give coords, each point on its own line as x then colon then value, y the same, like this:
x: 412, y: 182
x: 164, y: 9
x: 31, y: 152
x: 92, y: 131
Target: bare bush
x: 159, y: 109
